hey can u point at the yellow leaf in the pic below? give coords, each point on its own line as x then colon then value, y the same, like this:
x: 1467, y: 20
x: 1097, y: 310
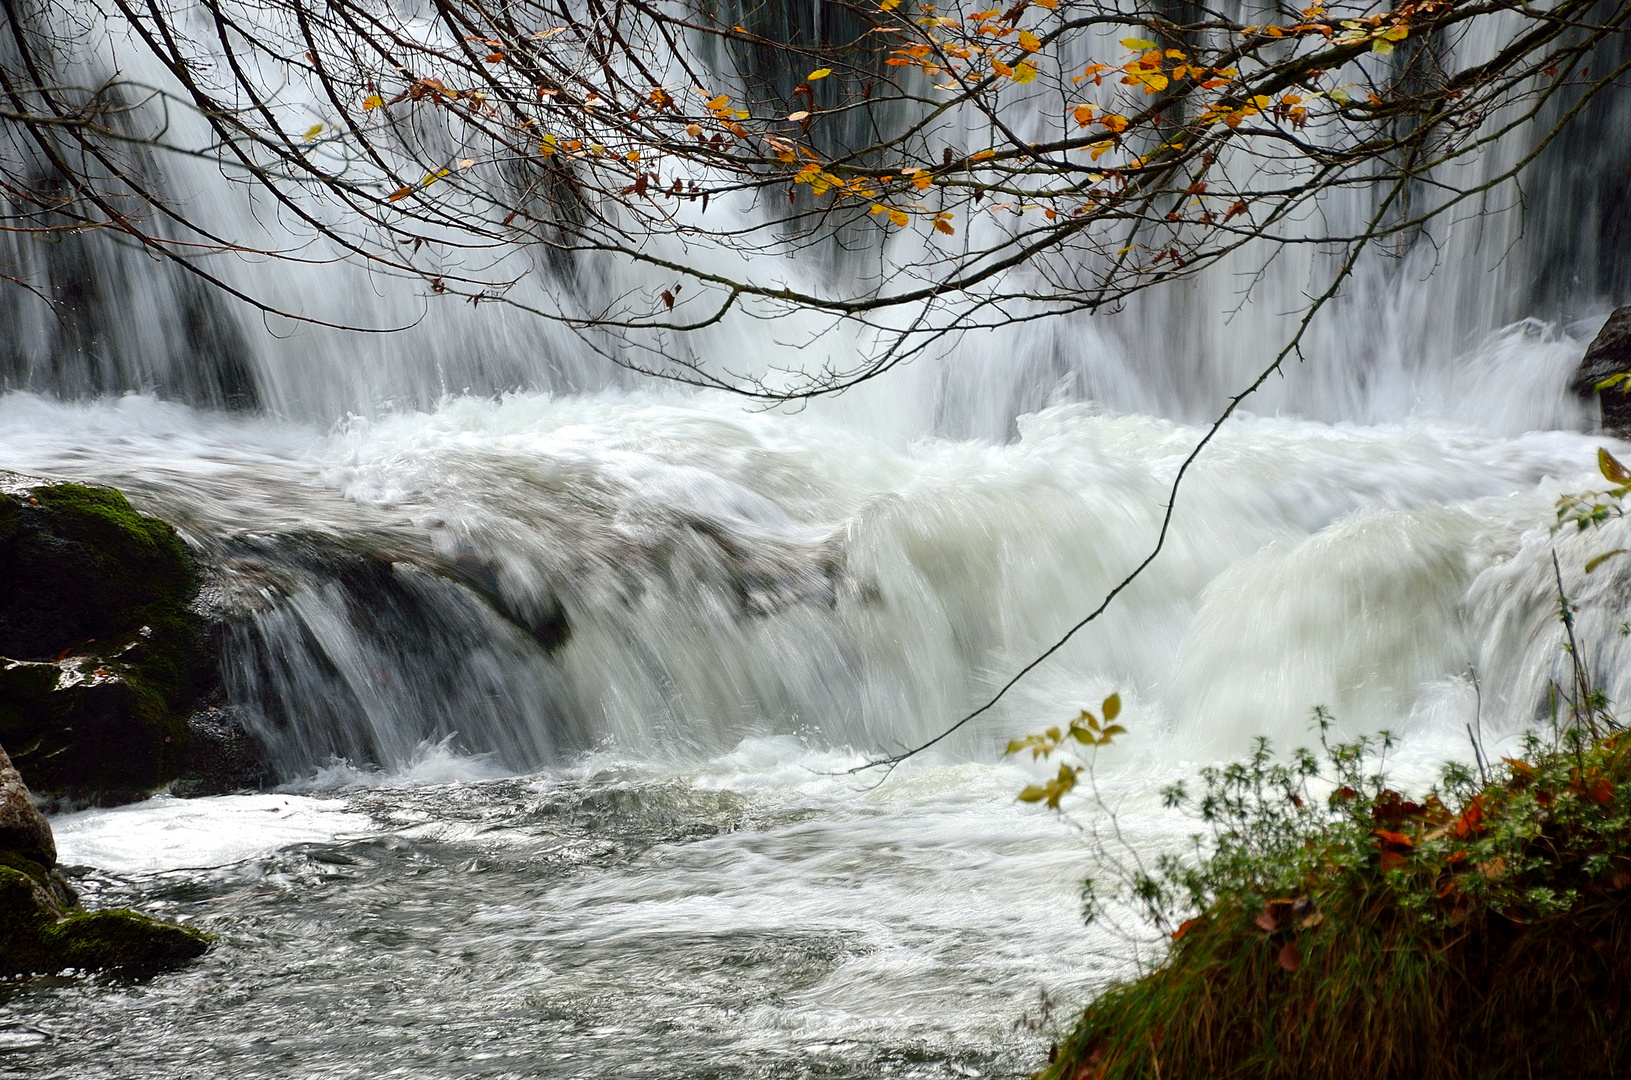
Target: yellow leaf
x: 1611, y: 467
x: 942, y: 225
x: 1116, y: 123
x: 313, y: 131
x: 879, y: 208
x: 1137, y: 44
x: 982, y: 155
x: 372, y: 101
x: 1397, y: 33
x: 1381, y: 46
x: 1112, y: 707
x: 1029, y: 41
x: 818, y: 73
x: 1024, y: 73
x: 899, y: 217
x: 922, y: 181
x: 888, y: 5
x: 1101, y: 148
x: 719, y: 102
x: 1032, y: 794
x: 1601, y: 559
x: 1002, y: 69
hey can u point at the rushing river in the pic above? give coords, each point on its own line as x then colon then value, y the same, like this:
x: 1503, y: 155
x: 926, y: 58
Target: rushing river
x: 628, y: 845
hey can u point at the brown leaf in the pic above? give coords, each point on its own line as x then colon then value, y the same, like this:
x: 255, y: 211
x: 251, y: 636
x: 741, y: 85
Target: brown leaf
x: 1266, y: 921
x: 1289, y: 957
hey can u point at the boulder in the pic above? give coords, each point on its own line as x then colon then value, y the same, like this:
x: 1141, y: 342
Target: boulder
x: 23, y: 829
x: 100, y: 650
x: 1608, y: 355
x: 223, y: 756
x: 44, y: 929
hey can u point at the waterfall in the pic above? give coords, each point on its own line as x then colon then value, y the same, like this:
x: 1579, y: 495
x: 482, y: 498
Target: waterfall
x: 474, y: 529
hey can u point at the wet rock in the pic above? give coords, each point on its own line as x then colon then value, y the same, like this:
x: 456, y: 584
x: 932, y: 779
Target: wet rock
x: 88, y: 730
x: 99, y: 647
x: 1608, y: 355
x: 42, y: 926
x: 23, y: 829
x: 223, y: 756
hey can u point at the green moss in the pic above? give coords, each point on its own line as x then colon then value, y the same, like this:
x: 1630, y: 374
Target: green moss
x: 35, y: 937
x: 122, y: 939
x: 36, y: 872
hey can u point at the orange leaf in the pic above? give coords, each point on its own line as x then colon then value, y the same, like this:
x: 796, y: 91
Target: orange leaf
x: 1398, y: 838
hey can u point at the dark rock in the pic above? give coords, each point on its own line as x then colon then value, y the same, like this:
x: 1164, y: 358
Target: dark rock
x: 43, y: 928
x: 88, y: 730
x: 23, y: 828
x: 223, y: 756
x: 104, y: 649
x: 1608, y: 355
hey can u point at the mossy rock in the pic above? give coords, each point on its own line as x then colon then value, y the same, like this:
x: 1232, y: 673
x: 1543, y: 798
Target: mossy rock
x: 88, y: 730
x: 102, y: 648
x: 37, y: 936
x: 86, y: 572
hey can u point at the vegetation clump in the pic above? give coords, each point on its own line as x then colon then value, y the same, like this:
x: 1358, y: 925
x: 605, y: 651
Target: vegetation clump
x: 1338, y: 928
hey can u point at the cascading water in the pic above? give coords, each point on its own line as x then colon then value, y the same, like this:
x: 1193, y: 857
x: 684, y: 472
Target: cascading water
x: 559, y: 668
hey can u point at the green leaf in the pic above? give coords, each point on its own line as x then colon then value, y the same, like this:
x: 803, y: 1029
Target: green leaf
x: 1112, y: 707
x: 1033, y: 794
x: 1593, y: 564
x: 1114, y: 729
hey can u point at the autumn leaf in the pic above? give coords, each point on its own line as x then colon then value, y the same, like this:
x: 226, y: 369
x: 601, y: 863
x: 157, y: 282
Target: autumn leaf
x: 1137, y: 44
x: 1611, y: 468
x: 1290, y: 958
x: 1112, y: 707
x: 800, y: 115
x: 942, y: 225
x: 1024, y: 73
x: 899, y: 217
x: 372, y: 101
x: 818, y: 73
x: 1029, y: 41
x: 313, y: 131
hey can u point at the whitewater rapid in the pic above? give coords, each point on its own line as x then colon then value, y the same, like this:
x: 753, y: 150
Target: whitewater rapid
x: 563, y: 691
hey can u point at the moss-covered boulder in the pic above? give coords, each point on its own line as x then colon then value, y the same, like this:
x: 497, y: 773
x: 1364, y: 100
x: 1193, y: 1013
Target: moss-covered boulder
x: 43, y: 928
x: 99, y: 647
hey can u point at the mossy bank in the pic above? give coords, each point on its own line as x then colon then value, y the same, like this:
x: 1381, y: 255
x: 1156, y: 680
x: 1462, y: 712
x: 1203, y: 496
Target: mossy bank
x: 101, y: 654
